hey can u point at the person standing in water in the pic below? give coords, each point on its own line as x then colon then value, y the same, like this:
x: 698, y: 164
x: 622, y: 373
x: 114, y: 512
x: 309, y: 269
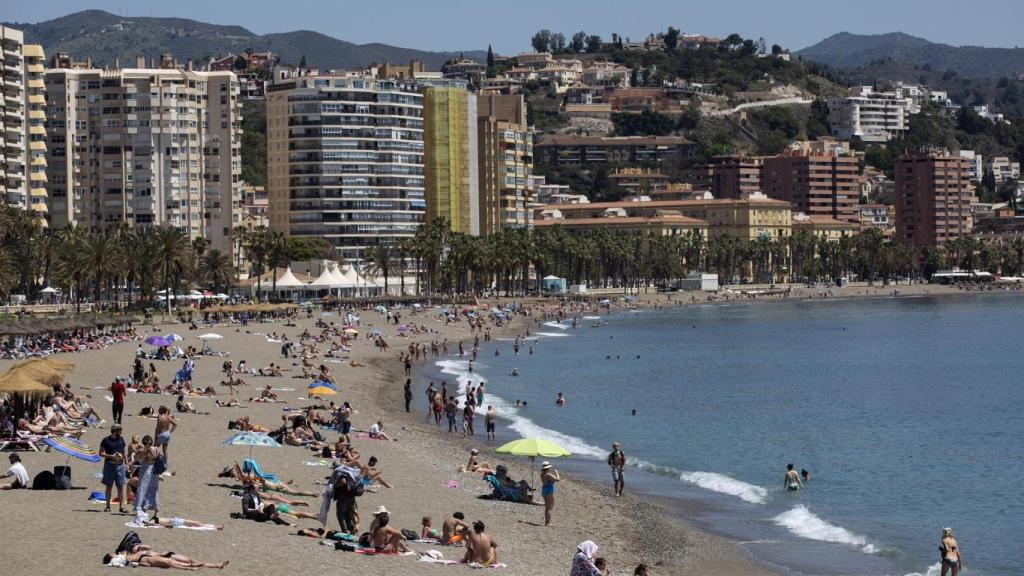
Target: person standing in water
x: 792, y: 480
x: 617, y: 461
x: 489, y: 422
x: 950, y: 550
x: 560, y: 400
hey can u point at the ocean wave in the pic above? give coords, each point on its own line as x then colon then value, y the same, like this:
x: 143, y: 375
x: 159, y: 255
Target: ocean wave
x: 933, y: 570
x: 527, y: 428
x: 551, y: 334
x: 802, y: 522
x: 727, y: 485
x: 591, y: 317
x: 558, y: 325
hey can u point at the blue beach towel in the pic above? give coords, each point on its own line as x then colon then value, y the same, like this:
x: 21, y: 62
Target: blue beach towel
x: 249, y: 466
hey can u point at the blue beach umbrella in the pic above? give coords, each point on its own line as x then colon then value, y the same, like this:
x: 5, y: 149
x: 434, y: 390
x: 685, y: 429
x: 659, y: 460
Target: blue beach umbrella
x: 72, y: 447
x: 323, y: 383
x: 251, y: 439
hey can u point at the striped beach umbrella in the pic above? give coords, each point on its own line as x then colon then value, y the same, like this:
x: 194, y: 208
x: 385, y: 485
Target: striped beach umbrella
x: 72, y: 447
x: 323, y: 384
x: 251, y: 439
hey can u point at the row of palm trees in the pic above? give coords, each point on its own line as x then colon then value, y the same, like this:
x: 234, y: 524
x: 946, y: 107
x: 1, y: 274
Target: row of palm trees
x: 115, y: 263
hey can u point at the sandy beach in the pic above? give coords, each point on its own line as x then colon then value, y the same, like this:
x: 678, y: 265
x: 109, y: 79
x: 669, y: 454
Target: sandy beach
x: 64, y: 532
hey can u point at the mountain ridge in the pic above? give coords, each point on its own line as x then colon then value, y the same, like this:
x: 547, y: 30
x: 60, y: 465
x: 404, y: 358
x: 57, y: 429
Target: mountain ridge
x: 103, y: 36
x: 846, y: 50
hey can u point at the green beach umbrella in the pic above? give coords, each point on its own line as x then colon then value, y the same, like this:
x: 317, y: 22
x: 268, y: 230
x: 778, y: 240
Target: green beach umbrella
x: 533, y: 447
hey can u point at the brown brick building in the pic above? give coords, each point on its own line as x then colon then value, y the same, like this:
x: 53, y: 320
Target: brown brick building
x: 933, y: 198
x: 732, y: 177
x: 817, y: 185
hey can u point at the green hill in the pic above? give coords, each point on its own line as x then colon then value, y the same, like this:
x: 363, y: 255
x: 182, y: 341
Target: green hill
x: 845, y: 50
x: 103, y: 37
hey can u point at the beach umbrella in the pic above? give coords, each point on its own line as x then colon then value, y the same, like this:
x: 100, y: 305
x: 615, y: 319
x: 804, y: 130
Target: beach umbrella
x: 321, y: 391
x: 210, y: 336
x: 172, y: 337
x: 18, y: 382
x: 375, y: 332
x: 157, y: 341
x: 351, y: 331
x: 417, y: 305
x: 251, y: 439
x: 72, y: 447
x: 533, y: 447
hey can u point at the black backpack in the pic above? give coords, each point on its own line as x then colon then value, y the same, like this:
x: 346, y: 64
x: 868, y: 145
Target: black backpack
x: 129, y: 542
x: 44, y: 481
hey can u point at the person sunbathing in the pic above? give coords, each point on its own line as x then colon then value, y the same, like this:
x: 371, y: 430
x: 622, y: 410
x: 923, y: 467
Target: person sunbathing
x: 175, y: 522
x: 270, y: 370
x: 384, y: 538
x: 254, y: 508
x: 285, y: 487
x: 244, y: 424
x: 149, y: 559
x: 371, y: 474
x: 474, y: 466
x: 183, y: 406
x: 226, y: 403
x: 27, y: 426
x: 480, y: 547
x: 268, y: 395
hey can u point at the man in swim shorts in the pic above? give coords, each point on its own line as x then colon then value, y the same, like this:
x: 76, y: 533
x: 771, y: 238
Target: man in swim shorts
x: 617, y: 461
x: 165, y: 425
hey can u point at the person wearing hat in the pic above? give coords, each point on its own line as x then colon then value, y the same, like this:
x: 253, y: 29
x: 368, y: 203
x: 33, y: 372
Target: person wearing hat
x: 548, y: 477
x: 17, y: 470
x: 112, y: 452
x: 385, y: 538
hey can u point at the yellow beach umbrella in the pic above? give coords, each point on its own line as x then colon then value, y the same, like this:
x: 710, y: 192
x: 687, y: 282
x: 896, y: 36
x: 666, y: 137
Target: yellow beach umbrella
x: 321, y: 391
x: 533, y: 447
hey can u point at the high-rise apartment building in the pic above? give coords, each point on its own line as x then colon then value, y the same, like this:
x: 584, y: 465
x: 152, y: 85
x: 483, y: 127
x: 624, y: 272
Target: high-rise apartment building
x: 452, y: 180
x: 505, y: 146
x: 933, y: 198
x: 22, y: 123
x: 146, y: 146
x: 345, y: 160
x: 732, y: 177
x: 817, y: 185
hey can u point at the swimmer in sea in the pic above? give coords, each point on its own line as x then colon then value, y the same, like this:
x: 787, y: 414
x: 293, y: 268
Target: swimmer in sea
x: 792, y: 481
x: 634, y: 412
x: 560, y: 400
x: 515, y: 372
x: 805, y: 475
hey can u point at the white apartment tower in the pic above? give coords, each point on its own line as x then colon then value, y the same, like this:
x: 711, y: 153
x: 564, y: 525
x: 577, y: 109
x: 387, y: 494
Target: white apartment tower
x: 345, y: 160
x: 22, y: 123
x: 869, y: 115
x: 146, y: 146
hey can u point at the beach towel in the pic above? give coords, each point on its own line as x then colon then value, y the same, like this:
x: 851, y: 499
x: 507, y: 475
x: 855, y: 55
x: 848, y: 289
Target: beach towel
x: 249, y: 466
x: 320, y: 463
x: 429, y: 556
x: 204, y: 528
x: 367, y: 436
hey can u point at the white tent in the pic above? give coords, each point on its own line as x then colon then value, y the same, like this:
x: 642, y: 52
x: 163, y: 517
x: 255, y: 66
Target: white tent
x: 343, y: 279
x: 288, y: 281
x: 324, y: 280
x: 350, y: 278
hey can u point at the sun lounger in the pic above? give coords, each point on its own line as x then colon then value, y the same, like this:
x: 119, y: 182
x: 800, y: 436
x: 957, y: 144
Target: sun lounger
x: 22, y: 441
x: 502, y: 492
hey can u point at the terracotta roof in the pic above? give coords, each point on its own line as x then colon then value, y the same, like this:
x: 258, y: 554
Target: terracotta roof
x: 667, y: 204
x: 568, y: 140
x: 622, y: 220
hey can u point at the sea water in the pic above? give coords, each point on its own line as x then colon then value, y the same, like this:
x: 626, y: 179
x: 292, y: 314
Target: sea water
x: 906, y: 411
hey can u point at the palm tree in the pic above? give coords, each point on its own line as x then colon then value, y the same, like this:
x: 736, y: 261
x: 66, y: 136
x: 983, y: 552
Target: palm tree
x: 257, y: 247
x: 217, y: 269
x: 173, y: 253
x: 74, y: 268
x: 102, y: 254
x: 379, y: 260
x: 277, y: 253
x: 8, y: 277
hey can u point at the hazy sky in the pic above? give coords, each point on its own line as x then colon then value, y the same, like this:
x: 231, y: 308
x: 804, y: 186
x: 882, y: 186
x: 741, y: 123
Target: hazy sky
x: 508, y: 24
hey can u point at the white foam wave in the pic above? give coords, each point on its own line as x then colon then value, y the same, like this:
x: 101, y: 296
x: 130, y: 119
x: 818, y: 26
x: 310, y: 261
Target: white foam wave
x: 933, y: 570
x: 520, y: 424
x: 802, y: 522
x: 591, y: 317
x: 727, y: 485
x: 558, y: 325
x: 551, y: 334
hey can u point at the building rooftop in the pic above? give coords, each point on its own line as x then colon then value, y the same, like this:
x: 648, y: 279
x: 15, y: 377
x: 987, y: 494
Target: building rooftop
x: 670, y: 204
x: 569, y: 140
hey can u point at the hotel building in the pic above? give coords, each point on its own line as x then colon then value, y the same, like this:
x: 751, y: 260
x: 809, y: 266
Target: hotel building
x: 933, y: 198
x: 145, y: 146
x: 451, y: 161
x: 505, y: 148
x: 22, y: 123
x: 816, y: 184
x: 345, y: 160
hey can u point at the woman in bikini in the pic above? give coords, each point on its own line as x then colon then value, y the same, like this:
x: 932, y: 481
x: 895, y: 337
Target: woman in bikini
x: 950, y: 550
x: 149, y: 559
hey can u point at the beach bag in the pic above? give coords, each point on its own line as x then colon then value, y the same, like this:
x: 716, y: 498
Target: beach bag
x: 62, y: 477
x: 44, y: 481
x: 345, y: 546
x: 364, y: 539
x: 409, y: 534
x: 129, y: 542
x: 160, y: 465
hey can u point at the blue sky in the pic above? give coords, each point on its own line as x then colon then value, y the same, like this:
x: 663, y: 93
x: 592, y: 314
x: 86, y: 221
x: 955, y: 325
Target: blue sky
x: 508, y: 24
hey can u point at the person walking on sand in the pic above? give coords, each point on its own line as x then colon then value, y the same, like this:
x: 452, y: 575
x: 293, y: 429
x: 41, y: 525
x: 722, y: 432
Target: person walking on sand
x: 112, y: 452
x: 147, y: 495
x: 165, y: 425
x: 617, y: 461
x: 117, y: 390
x: 791, y: 481
x: 548, y: 477
x: 952, y: 560
x: 408, y: 394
